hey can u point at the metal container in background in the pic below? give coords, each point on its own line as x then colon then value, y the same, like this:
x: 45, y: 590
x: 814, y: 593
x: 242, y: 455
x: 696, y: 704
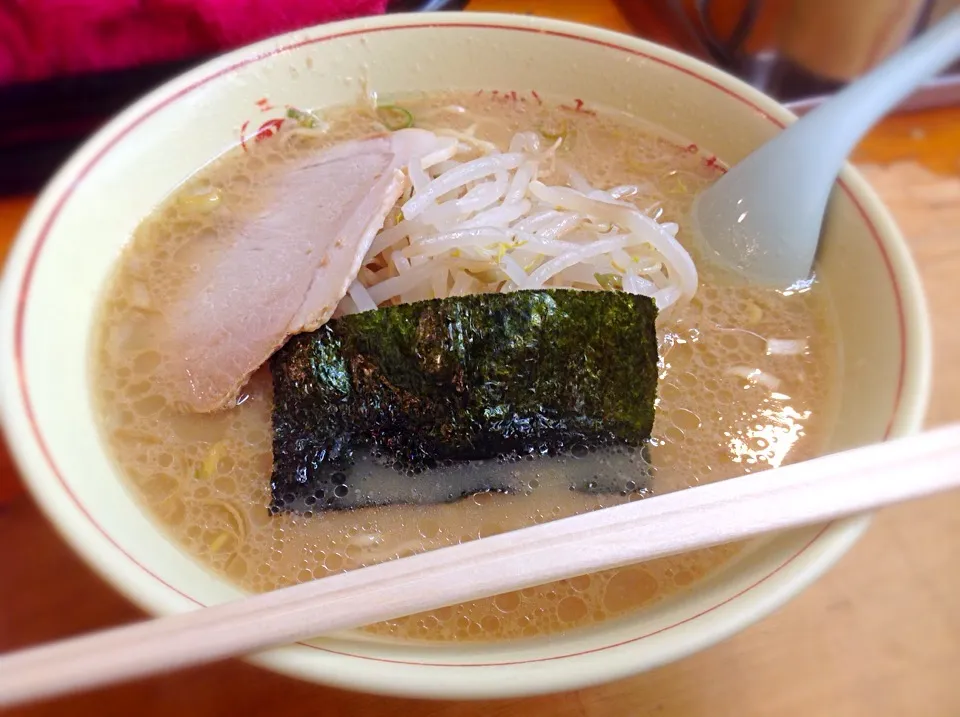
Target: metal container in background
x: 798, y: 51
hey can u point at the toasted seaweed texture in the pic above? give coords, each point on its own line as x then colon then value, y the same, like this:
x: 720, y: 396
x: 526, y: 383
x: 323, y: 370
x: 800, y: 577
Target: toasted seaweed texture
x: 462, y: 379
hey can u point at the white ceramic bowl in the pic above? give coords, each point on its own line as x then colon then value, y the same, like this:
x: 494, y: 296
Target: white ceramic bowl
x: 74, y: 233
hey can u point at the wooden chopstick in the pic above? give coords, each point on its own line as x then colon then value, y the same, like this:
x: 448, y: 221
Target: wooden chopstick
x: 814, y: 491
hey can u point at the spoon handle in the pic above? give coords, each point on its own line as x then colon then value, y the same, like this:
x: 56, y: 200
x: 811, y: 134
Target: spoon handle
x: 839, y: 124
x: 763, y: 218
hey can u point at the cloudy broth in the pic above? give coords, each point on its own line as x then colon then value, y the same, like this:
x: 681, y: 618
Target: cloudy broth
x: 731, y: 400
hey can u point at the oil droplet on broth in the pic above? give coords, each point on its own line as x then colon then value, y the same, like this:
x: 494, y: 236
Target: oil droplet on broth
x: 571, y: 609
x: 508, y: 602
x: 629, y: 587
x: 184, y: 469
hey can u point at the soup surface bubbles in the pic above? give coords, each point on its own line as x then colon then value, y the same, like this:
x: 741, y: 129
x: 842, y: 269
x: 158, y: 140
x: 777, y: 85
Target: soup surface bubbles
x: 747, y: 382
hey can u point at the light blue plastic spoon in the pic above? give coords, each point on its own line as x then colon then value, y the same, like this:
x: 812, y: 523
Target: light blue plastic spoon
x: 763, y: 218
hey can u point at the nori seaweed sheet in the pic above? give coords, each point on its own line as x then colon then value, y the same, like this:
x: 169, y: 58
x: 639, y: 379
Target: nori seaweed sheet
x: 437, y: 382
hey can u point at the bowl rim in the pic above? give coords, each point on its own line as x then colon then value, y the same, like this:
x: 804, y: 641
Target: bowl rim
x: 29, y: 452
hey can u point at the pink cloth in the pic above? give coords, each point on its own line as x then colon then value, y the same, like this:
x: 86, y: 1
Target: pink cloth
x: 45, y: 38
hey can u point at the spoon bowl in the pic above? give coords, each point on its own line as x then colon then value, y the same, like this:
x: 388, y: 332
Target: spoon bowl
x: 763, y: 218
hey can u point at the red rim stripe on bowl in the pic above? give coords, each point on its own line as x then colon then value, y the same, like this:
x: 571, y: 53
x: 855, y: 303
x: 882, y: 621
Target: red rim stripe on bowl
x: 23, y: 297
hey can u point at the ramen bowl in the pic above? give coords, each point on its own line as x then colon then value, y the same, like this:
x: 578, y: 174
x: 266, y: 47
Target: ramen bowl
x: 75, y: 232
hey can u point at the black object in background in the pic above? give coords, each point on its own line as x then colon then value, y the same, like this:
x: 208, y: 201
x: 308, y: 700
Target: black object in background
x: 42, y: 123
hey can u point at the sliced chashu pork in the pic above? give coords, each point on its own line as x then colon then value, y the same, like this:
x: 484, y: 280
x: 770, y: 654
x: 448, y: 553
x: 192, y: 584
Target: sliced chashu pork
x: 284, y: 271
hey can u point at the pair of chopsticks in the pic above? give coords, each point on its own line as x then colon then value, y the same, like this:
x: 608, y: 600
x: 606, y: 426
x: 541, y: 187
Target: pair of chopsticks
x: 814, y: 491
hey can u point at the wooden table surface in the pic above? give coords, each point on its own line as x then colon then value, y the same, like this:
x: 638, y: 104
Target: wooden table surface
x: 878, y: 636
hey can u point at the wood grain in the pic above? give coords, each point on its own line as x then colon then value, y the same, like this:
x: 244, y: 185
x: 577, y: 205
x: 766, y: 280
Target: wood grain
x: 879, y: 636
x: 814, y: 491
